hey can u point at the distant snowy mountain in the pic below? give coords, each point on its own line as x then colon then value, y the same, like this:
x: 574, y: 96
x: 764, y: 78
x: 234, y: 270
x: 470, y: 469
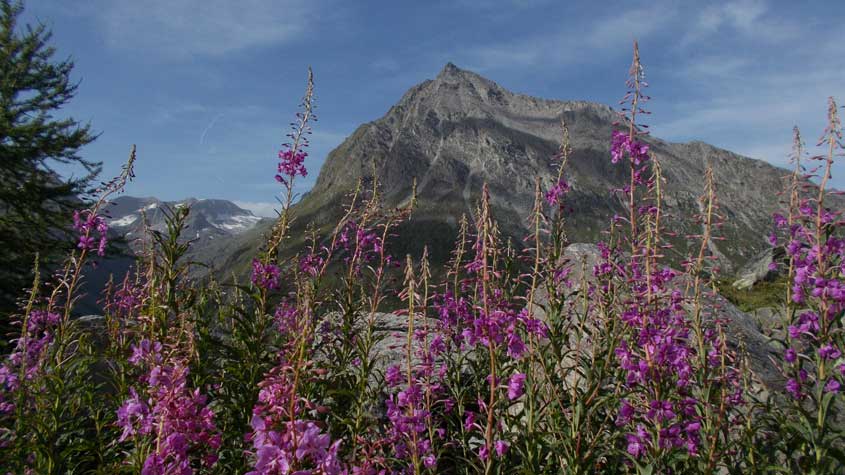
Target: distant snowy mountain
x: 208, y: 220
x: 210, y: 225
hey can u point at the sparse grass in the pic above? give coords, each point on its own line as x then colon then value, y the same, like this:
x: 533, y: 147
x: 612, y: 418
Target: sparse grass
x: 761, y: 295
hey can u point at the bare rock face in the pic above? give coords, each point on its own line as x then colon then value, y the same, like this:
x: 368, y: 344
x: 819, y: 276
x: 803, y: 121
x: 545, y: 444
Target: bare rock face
x: 460, y: 130
x: 759, y: 268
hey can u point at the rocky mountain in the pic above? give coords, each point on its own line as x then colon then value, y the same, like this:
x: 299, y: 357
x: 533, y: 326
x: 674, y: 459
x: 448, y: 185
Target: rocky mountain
x: 460, y: 130
x: 207, y: 221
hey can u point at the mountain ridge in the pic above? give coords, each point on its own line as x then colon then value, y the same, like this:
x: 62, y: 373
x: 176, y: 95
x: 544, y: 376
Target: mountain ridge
x: 460, y: 130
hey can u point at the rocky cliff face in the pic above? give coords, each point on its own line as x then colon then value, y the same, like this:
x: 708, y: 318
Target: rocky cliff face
x: 460, y: 130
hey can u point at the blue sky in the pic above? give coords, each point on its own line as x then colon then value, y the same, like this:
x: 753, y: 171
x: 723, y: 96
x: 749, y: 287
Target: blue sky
x: 206, y: 88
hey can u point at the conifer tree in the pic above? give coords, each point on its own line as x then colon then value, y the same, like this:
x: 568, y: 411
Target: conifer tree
x: 38, y: 151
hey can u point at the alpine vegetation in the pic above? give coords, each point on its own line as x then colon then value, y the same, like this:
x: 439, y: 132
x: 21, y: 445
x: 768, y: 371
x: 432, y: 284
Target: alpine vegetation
x: 336, y: 356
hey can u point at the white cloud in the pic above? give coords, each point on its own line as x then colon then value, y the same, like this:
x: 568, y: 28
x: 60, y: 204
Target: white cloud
x: 182, y: 28
x: 750, y: 18
x: 752, y: 113
x: 258, y: 208
x: 572, y: 42
x: 501, y: 6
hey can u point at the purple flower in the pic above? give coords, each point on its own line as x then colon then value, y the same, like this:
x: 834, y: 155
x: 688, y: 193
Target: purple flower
x: 622, y: 143
x: 832, y: 386
x: 661, y: 411
x: 638, y: 442
x: 273, y: 433
x: 469, y: 421
x: 393, y: 375
x: 86, y: 243
x: 516, y: 347
x: 265, y: 276
x: 516, y: 386
x: 145, y: 351
x: 807, y: 324
x: 501, y: 447
x: 618, y: 145
x: 793, y: 387
x: 87, y: 223
x: 175, y: 417
x: 291, y: 164
x: 790, y: 355
x: 829, y: 352
x: 133, y: 416
x: 773, y: 240
x: 483, y: 452
x: 556, y: 192
x: 626, y: 413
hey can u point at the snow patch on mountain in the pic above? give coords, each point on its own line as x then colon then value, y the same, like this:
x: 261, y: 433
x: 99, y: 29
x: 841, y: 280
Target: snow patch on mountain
x: 238, y: 223
x: 124, y: 221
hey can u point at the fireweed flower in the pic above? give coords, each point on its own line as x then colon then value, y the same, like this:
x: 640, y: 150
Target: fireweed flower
x: 501, y: 447
x: 790, y: 355
x: 291, y: 164
x: 409, y: 421
x: 284, y: 443
x: 556, y: 192
x: 87, y: 223
x: 27, y: 356
x: 829, y: 352
x: 393, y: 376
x: 176, y: 418
x: 626, y: 413
x: 793, y: 387
x: 638, y: 442
x: 412, y: 430
x: 516, y: 386
x: 622, y: 145
x: 656, y: 350
x: 265, y: 276
x: 311, y: 263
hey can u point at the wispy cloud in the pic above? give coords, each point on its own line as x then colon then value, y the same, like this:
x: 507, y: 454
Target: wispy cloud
x: 260, y: 208
x: 749, y: 18
x: 209, y: 127
x: 572, y: 42
x: 751, y: 112
x: 180, y: 28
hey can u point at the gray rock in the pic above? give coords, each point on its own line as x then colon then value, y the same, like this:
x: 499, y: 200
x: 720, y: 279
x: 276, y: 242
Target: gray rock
x: 460, y: 130
x: 757, y: 268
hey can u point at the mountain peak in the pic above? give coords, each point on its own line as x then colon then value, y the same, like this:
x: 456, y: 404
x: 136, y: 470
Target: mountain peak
x: 453, y: 74
x: 453, y: 134
x: 450, y: 70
